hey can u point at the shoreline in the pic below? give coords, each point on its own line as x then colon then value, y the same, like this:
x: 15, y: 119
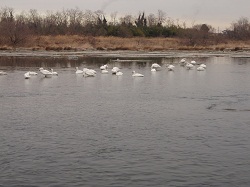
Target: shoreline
x: 62, y: 45
x: 122, y: 53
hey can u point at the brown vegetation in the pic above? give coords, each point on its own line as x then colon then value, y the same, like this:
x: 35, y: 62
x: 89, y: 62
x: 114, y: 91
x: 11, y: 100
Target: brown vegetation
x: 74, y: 29
x: 79, y: 43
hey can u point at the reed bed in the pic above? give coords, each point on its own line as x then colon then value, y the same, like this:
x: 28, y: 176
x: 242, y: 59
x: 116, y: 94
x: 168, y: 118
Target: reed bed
x: 75, y: 42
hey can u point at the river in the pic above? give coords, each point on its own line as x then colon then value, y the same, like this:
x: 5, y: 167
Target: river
x: 168, y: 128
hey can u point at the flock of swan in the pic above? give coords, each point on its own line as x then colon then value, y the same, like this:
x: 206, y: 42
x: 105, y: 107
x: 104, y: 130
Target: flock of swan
x: 115, y: 70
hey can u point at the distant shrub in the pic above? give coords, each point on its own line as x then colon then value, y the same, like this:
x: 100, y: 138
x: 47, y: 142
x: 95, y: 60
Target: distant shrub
x: 237, y: 49
x: 67, y: 48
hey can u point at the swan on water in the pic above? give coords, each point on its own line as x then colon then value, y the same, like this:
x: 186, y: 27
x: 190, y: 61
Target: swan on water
x: 53, y: 72
x: 189, y: 66
x: 88, y: 72
x: 27, y: 75
x: 3, y: 73
x: 134, y: 74
x: 119, y: 73
x: 155, y: 66
x: 193, y: 62
x: 78, y: 71
x: 104, y: 71
x: 183, y: 62
x: 170, y: 67
x: 32, y: 73
x: 203, y: 65
x: 45, y: 72
x: 200, y: 69
x: 104, y: 67
x: 153, y: 69
x: 115, y: 70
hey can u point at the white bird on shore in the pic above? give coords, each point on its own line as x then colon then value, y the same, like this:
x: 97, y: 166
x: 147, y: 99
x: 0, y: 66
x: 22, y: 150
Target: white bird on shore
x: 3, y: 73
x: 27, y: 75
x: 78, y: 71
x: 134, y: 74
x: 45, y: 72
x: 53, y: 72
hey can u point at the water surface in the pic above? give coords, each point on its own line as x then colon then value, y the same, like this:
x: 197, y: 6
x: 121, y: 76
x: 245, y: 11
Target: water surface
x: 181, y: 128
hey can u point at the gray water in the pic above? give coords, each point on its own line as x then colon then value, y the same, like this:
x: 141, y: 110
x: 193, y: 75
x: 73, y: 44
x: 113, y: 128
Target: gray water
x: 181, y: 128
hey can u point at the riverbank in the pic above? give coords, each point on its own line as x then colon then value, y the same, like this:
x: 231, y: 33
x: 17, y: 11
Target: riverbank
x: 122, y: 54
x: 89, y: 43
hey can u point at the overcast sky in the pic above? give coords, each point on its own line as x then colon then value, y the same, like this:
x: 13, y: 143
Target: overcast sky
x: 218, y: 13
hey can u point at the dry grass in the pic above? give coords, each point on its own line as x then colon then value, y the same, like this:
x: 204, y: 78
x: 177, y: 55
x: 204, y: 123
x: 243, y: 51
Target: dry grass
x: 62, y: 42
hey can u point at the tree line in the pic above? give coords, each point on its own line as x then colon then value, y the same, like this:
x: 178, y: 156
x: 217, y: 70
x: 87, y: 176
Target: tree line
x: 15, y: 28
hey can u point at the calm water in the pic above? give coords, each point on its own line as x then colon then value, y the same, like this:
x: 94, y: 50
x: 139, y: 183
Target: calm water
x: 181, y: 128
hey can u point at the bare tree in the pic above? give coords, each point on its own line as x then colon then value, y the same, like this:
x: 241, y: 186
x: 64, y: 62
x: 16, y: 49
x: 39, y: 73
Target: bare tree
x: 89, y: 17
x: 15, y: 32
x: 127, y: 20
x: 152, y: 20
x: 75, y: 20
x: 241, y: 28
x: 141, y: 20
x: 34, y: 21
x: 113, y: 16
x: 161, y: 17
x: 6, y: 14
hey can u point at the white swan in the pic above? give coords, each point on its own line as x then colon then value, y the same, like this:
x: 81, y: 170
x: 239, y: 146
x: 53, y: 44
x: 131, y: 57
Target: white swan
x: 89, y: 70
x: 88, y: 73
x: 170, y: 67
x: 119, y: 73
x: 53, y: 72
x: 103, y: 67
x: 200, y: 68
x: 78, y: 71
x: 203, y: 65
x: 3, y: 73
x: 134, y: 74
x: 183, y: 62
x: 27, y: 75
x: 104, y: 71
x: 153, y: 69
x: 155, y: 66
x: 193, y: 62
x: 189, y: 66
x: 32, y: 73
x: 45, y: 72
x: 115, y: 70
